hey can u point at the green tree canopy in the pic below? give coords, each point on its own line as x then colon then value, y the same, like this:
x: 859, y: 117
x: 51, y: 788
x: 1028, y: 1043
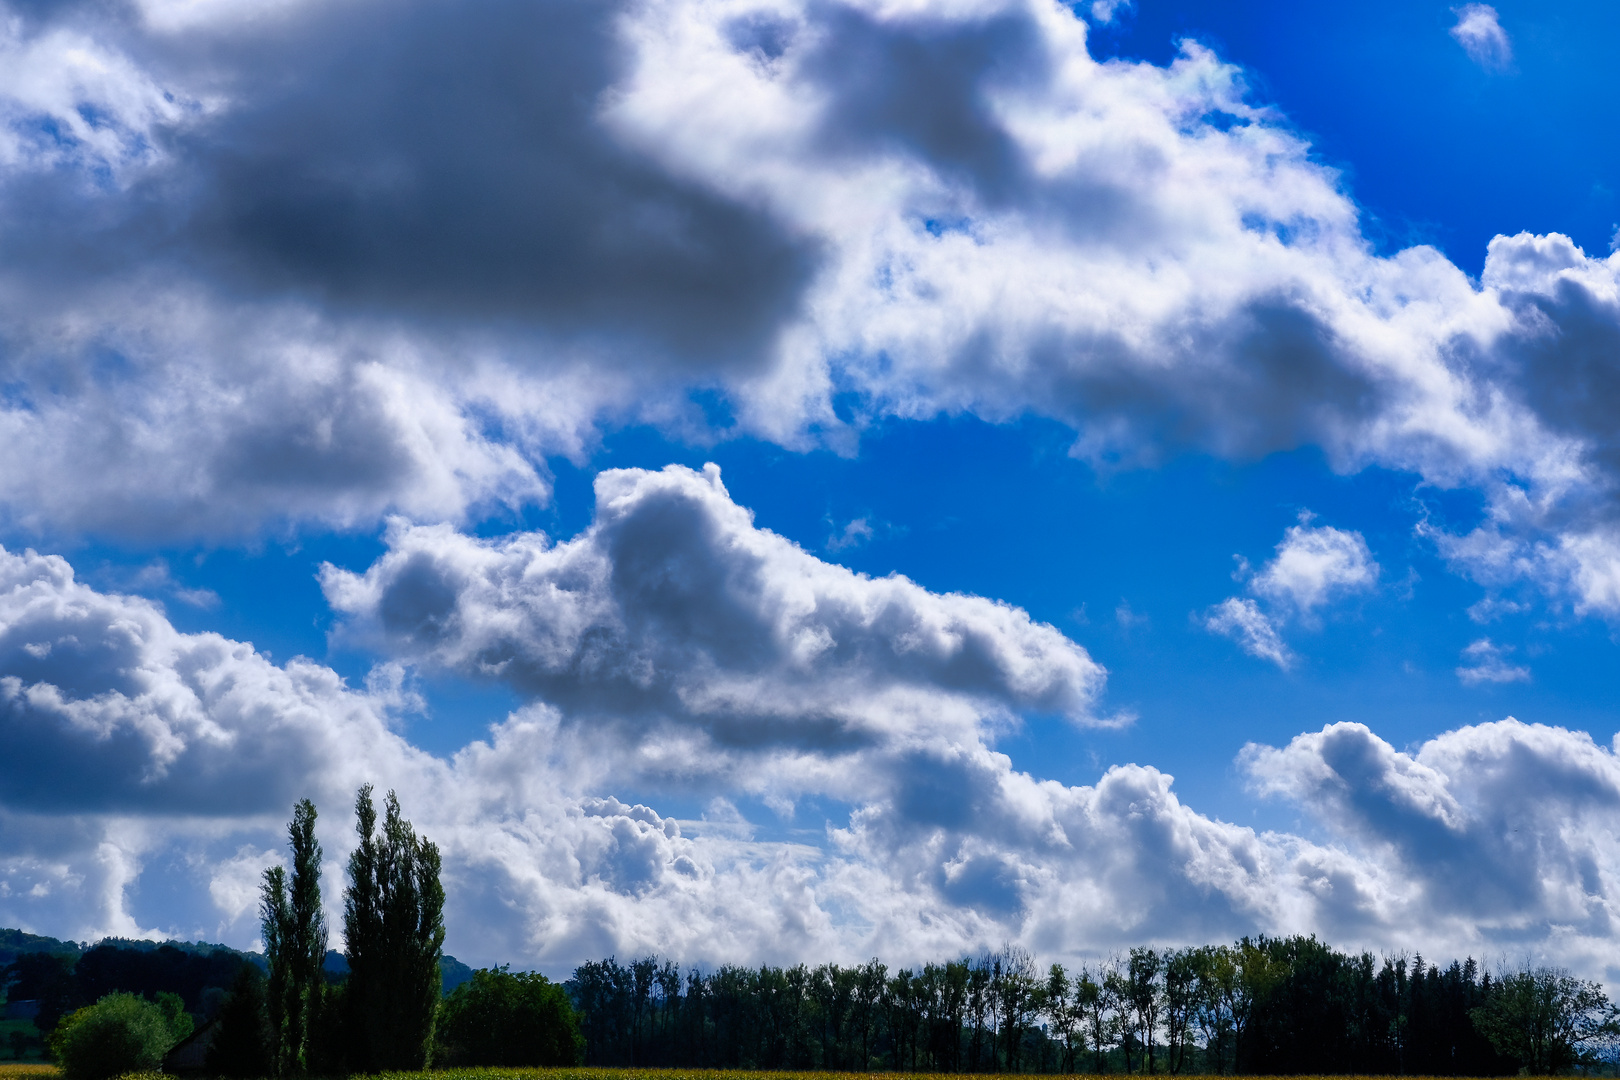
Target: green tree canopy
x: 294, y: 944
x: 393, y: 928
x: 1547, y: 1020
x: 503, y: 1018
x: 121, y: 1033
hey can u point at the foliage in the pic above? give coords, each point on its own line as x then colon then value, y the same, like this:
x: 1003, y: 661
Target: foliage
x: 1265, y: 1005
x: 62, y: 982
x: 509, y: 1019
x: 393, y: 922
x: 294, y: 931
x: 47, y: 978
x: 1547, y: 1020
x: 242, y: 1041
x: 121, y: 1033
x: 605, y: 1073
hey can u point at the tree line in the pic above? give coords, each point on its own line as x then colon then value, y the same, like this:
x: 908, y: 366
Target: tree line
x: 1289, y: 1005
x: 59, y: 980
x: 383, y: 1008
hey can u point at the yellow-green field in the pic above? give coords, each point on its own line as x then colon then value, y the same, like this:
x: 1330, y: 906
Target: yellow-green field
x: 9, y: 1070
x: 741, y: 1074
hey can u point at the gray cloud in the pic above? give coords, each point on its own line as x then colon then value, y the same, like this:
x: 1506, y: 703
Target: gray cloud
x: 320, y: 263
x: 105, y: 707
x: 1503, y: 830
x: 190, y: 749
x: 673, y: 606
x: 448, y: 167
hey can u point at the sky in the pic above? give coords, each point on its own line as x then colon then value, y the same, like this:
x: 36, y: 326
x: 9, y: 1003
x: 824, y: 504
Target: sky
x: 779, y: 480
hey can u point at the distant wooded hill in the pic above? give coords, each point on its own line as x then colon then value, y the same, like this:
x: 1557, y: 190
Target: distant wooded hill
x: 63, y: 975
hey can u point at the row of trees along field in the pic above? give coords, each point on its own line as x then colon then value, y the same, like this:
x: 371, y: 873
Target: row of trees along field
x: 383, y: 1009
x: 1268, y: 1005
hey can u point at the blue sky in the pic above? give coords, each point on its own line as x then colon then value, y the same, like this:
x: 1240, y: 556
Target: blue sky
x: 1209, y: 391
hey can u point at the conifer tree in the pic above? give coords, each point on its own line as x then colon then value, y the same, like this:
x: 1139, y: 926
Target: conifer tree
x: 294, y: 945
x: 275, y: 921
x: 393, y: 923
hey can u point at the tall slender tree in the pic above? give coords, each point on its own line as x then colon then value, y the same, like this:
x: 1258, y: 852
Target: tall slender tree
x: 393, y: 924
x: 275, y: 921
x: 294, y: 929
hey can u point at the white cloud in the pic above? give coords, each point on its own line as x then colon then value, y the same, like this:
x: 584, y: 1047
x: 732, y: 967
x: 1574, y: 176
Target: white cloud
x: 1482, y: 36
x: 1492, y: 608
x: 1485, y: 662
x: 69, y: 100
x: 1313, y: 567
x: 1143, y: 253
x: 220, y: 421
x: 1241, y: 619
x: 1501, y: 829
x: 135, y: 751
x: 674, y: 608
x: 854, y: 533
x: 1104, y: 12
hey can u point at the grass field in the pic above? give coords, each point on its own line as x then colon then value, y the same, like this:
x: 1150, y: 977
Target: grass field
x: 11, y: 1070
x: 742, y: 1074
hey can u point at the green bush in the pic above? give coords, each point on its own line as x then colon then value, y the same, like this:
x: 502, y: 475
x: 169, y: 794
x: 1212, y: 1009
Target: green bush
x: 119, y: 1034
x: 506, y: 1019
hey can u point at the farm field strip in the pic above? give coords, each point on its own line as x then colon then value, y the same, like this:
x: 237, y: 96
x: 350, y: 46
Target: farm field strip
x: 32, y: 1071
x: 633, y: 1073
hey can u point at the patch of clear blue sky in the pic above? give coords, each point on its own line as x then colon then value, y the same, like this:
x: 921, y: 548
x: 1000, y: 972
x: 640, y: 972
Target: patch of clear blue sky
x: 1436, y: 148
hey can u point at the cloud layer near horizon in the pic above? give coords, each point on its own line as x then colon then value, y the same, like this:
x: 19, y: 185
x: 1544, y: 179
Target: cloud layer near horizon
x: 320, y: 299
x: 921, y: 839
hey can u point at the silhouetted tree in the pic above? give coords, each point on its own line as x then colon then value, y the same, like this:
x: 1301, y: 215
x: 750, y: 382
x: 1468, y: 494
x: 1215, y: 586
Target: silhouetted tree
x: 242, y: 1042
x: 393, y: 922
x: 294, y: 930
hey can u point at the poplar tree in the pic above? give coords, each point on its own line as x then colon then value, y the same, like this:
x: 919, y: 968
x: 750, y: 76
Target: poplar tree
x: 294, y: 944
x: 393, y: 926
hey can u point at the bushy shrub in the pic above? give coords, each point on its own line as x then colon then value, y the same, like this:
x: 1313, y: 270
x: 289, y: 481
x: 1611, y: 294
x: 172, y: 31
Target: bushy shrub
x: 509, y: 1019
x: 119, y: 1034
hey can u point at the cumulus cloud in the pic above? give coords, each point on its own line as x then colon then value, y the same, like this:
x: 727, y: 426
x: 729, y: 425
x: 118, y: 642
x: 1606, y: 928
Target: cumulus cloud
x: 1313, y: 567
x: 1482, y: 36
x: 1562, y: 536
x: 190, y: 748
x: 674, y: 609
x: 1486, y: 662
x: 406, y: 291
x: 1502, y: 829
x: 258, y: 270
x: 136, y: 753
